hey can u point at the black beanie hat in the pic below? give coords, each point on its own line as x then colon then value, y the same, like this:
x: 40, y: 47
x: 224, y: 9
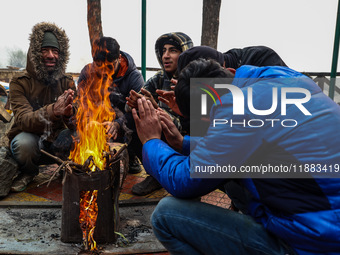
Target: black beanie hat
x: 50, y: 40
x: 172, y: 42
x: 198, y: 52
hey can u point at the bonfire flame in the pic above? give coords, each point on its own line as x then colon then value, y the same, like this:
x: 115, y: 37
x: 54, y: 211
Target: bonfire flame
x: 94, y: 109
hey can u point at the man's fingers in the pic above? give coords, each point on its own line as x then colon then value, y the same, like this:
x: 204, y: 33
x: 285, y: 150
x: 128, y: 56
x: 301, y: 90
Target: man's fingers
x: 141, y: 107
x: 69, y: 99
x: 160, y: 92
x: 146, y: 106
x: 165, y: 101
x: 130, y: 100
x: 164, y: 115
x: 169, y: 93
x: 165, y: 128
x: 145, y: 92
x: 132, y: 105
x: 133, y: 94
x: 135, y: 116
x: 68, y: 110
x: 174, y: 81
x: 152, y: 109
x: 166, y: 120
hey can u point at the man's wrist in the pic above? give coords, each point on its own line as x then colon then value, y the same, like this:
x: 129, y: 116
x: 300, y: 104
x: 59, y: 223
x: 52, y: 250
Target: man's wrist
x: 179, y: 145
x: 53, y: 112
x: 149, y: 139
x: 116, y: 125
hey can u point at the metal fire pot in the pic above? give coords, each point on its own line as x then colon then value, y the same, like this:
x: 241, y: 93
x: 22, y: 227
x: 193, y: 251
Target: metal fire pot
x: 107, y: 182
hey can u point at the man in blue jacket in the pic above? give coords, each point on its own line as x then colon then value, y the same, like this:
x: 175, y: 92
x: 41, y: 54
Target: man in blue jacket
x: 288, y: 215
x: 108, y: 58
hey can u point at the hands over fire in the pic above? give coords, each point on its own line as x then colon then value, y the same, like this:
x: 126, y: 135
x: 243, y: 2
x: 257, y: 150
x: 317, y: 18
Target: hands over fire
x: 132, y: 99
x: 63, y: 105
x: 148, y: 122
x: 168, y: 97
x: 112, y: 129
x: 170, y: 131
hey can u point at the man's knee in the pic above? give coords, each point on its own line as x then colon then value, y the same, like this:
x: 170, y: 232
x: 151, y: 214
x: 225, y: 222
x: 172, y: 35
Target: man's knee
x: 24, y: 145
x: 164, y: 207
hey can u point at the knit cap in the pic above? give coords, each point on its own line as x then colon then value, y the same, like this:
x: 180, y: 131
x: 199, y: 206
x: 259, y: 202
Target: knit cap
x: 50, y: 40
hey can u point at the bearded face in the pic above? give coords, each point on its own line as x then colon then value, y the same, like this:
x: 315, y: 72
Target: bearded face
x: 50, y: 57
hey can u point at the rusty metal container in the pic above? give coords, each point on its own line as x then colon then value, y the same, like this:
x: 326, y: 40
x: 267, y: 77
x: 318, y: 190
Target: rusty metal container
x: 107, y: 182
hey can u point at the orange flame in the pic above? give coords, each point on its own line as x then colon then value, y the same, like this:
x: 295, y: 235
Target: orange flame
x: 94, y: 109
x: 88, y: 216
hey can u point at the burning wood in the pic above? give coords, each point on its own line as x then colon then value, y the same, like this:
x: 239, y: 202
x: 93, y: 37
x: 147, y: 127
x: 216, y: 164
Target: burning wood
x: 88, y: 206
x: 90, y: 201
x: 88, y: 217
x: 94, y: 181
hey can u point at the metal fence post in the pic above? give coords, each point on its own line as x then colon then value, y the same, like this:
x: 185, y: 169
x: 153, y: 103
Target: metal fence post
x: 335, y: 54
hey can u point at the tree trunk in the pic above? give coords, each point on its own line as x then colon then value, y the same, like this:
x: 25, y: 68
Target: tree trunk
x: 94, y: 20
x: 210, y: 22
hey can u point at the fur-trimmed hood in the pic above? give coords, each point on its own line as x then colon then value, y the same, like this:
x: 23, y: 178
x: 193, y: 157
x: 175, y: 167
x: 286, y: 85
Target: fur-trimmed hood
x: 35, y: 66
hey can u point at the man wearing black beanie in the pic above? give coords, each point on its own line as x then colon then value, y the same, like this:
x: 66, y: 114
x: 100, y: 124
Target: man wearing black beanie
x: 168, y: 47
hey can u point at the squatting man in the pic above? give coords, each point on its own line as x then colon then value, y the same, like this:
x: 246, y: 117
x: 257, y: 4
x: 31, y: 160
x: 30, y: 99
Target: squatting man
x: 279, y: 215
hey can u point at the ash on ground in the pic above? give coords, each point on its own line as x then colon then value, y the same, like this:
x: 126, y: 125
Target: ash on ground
x: 37, y: 231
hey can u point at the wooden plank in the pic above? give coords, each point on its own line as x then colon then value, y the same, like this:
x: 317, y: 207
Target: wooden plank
x: 4, y: 115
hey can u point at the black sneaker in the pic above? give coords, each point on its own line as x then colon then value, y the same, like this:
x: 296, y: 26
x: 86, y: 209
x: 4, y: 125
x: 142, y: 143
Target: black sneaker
x: 134, y: 166
x: 147, y: 186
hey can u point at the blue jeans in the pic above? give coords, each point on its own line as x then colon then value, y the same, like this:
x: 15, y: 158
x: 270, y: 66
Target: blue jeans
x: 25, y: 148
x: 192, y: 227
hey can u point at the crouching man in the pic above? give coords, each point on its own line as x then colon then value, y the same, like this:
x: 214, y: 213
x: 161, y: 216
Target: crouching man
x: 280, y: 215
x: 41, y: 100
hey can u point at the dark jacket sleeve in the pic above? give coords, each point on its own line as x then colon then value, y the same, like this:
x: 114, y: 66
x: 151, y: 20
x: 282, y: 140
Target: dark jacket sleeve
x: 154, y: 83
x: 135, y: 81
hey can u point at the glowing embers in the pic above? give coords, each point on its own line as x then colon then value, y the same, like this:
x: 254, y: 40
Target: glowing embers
x: 88, y: 217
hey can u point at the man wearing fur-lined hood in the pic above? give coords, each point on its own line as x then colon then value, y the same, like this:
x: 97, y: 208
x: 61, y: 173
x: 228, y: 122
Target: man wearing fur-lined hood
x: 41, y: 100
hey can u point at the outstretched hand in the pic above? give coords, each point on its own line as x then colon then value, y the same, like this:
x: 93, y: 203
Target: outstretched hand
x: 149, y: 97
x: 148, y: 123
x: 132, y: 99
x: 168, y: 97
x: 63, y: 105
x: 111, y: 129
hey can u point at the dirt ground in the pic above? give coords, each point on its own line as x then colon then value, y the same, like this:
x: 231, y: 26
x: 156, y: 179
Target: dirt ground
x: 37, y: 231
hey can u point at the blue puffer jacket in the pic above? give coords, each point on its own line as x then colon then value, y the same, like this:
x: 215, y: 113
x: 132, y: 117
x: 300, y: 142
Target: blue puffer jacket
x: 303, y: 212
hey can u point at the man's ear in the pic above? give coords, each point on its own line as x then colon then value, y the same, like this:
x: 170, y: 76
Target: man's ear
x: 232, y: 70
